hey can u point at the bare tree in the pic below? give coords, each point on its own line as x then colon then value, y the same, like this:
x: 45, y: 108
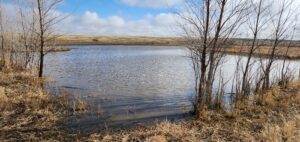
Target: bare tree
x: 285, y: 74
x: 2, y: 61
x: 6, y: 38
x: 256, y: 21
x: 208, y: 24
x: 47, y: 19
x: 27, y: 37
x: 223, y: 31
x: 30, y: 31
x: 281, y: 21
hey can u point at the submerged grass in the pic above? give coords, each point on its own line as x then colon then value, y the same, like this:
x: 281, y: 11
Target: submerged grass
x: 277, y: 120
x: 29, y: 114
x: 25, y: 108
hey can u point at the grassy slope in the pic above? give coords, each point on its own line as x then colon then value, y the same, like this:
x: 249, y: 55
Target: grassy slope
x: 118, y: 40
x: 294, y: 52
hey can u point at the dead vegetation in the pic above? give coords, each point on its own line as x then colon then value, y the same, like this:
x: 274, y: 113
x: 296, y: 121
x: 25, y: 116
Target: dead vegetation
x: 57, y: 49
x: 293, y: 52
x: 25, y: 107
x: 29, y: 114
x: 278, y: 120
x: 117, y: 40
x: 235, y: 48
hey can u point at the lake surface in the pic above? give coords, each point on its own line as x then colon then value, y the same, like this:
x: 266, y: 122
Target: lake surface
x: 130, y: 84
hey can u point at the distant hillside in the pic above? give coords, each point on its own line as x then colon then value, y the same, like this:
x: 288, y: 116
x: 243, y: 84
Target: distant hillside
x: 264, y: 42
x: 118, y: 40
x: 143, y: 40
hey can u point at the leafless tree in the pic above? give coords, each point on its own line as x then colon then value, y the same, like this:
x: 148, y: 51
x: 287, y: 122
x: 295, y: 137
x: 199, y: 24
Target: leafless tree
x: 2, y: 61
x: 30, y: 30
x: 208, y: 24
x: 27, y: 33
x: 281, y: 27
x: 6, y: 38
x: 222, y: 32
x: 285, y: 73
x: 47, y: 19
x: 256, y: 21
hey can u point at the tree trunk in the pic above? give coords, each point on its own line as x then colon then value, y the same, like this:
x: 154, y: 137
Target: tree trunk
x: 212, y: 58
x: 250, y: 54
x: 42, y: 41
x: 202, y: 87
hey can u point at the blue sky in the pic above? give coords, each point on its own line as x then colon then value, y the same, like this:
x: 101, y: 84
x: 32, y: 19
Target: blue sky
x: 114, y: 17
x: 120, y: 17
x: 106, y: 8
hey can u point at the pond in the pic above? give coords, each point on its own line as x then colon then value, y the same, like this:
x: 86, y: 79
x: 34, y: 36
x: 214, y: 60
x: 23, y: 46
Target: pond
x: 130, y: 84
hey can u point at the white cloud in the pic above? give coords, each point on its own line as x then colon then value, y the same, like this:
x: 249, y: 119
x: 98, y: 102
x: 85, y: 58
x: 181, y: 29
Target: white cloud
x: 163, y: 24
x: 152, y: 3
x: 89, y: 22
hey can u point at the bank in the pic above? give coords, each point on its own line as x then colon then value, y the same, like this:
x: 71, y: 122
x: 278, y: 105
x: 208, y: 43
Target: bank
x: 27, y: 113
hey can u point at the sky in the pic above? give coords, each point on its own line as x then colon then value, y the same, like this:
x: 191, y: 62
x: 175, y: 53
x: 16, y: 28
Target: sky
x: 125, y: 17
x: 120, y: 17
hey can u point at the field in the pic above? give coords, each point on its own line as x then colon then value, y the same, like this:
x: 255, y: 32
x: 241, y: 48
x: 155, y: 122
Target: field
x: 264, y: 51
x: 234, y: 48
x: 118, y: 40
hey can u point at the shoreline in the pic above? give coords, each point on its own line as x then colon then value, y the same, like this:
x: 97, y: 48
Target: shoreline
x: 237, y: 46
x: 58, y: 49
x: 293, y: 54
x: 29, y: 114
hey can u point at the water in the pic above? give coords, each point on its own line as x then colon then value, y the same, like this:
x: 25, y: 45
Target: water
x: 131, y: 84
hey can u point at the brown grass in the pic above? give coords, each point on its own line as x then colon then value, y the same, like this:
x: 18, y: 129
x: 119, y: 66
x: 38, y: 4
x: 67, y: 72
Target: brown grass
x: 28, y: 114
x: 118, y: 40
x: 25, y: 109
x: 57, y: 49
x: 277, y: 121
x: 294, y: 52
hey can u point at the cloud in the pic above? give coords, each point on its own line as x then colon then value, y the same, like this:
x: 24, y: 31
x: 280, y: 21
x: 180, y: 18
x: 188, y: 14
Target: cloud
x: 90, y: 22
x: 267, y: 24
x: 152, y: 3
x: 163, y: 24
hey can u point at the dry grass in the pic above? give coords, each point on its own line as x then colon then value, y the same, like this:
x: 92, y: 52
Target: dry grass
x: 276, y: 121
x: 57, y: 49
x: 49, y: 49
x: 288, y: 131
x: 25, y: 108
x: 294, y: 52
x: 162, y: 132
x: 28, y: 114
x: 118, y: 40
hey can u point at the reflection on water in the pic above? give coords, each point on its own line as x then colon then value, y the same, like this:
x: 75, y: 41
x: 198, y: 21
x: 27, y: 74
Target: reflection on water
x: 130, y: 84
